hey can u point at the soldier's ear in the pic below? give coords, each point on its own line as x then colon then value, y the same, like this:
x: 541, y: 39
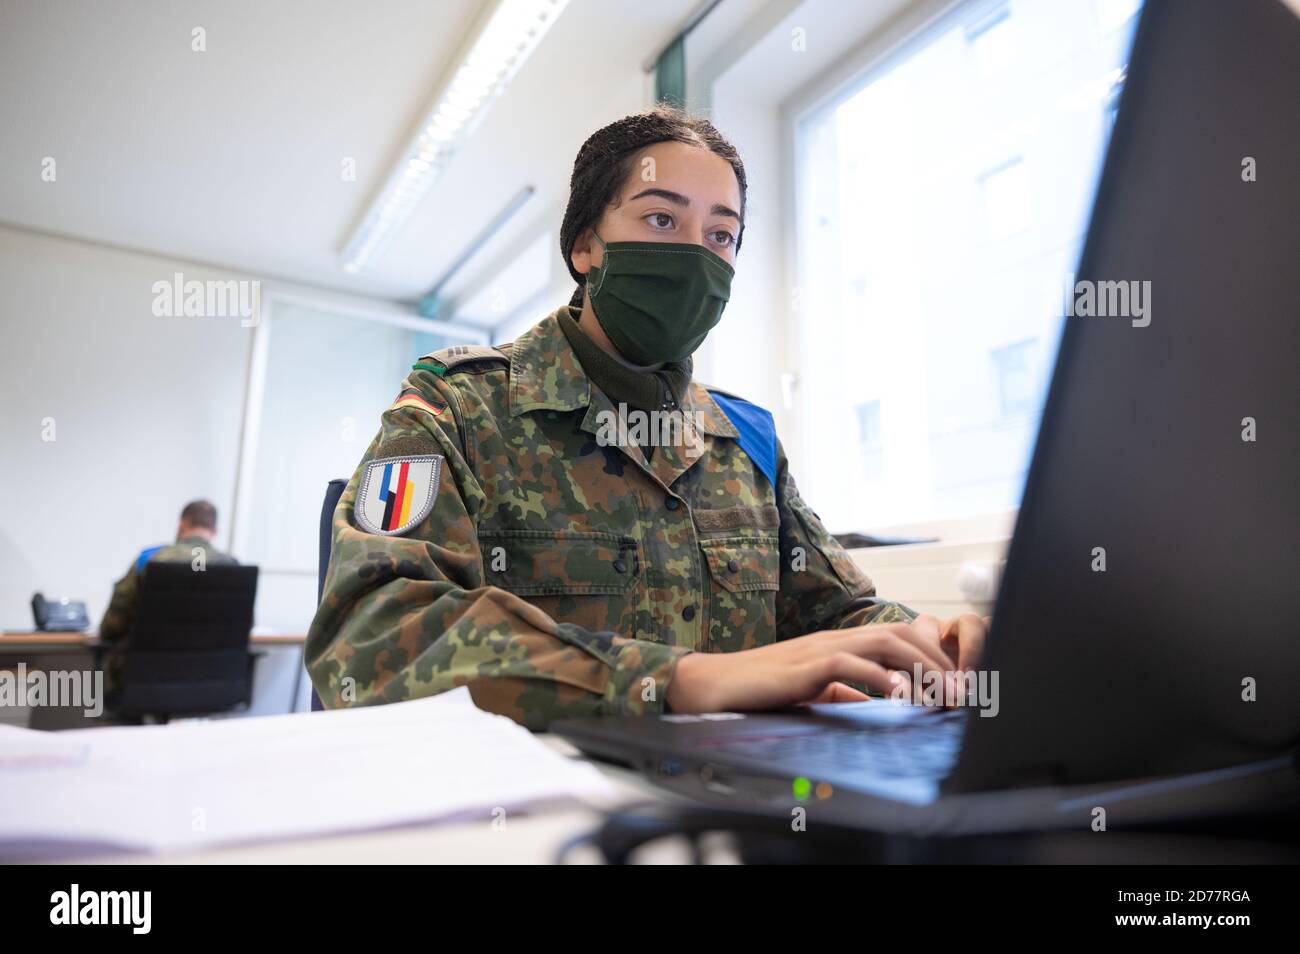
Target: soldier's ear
x: 581, y: 253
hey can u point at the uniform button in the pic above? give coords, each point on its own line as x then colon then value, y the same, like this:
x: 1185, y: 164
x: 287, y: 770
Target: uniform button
x: 620, y: 566
x: 673, y: 503
x: 688, y: 614
x: 733, y: 566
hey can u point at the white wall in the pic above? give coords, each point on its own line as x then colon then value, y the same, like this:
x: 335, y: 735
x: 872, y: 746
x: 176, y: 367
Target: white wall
x: 146, y: 413
x: 621, y: 96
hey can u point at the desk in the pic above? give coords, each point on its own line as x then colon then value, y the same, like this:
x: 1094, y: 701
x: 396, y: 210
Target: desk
x: 278, y: 685
x: 34, y: 639
x: 526, y: 839
x: 535, y: 838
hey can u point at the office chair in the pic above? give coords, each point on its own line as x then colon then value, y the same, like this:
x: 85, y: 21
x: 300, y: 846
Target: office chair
x: 332, y: 494
x: 187, y: 652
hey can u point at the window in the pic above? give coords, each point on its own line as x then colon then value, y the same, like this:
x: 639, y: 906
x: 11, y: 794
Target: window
x: 991, y: 38
x: 942, y: 198
x: 873, y: 448
x: 1006, y: 199
x: 1017, y: 390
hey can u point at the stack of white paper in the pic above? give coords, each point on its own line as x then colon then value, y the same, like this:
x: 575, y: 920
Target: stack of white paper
x: 196, y: 784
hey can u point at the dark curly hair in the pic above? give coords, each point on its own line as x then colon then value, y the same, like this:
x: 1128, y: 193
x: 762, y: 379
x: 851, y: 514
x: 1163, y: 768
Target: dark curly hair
x: 605, y: 161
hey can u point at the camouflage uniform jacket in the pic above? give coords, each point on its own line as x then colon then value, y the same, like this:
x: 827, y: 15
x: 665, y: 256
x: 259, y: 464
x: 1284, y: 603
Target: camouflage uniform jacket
x: 551, y: 572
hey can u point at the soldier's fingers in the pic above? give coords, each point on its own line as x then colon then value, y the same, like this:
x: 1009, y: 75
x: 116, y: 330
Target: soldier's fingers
x: 929, y: 621
x: 966, y: 634
x: 838, y: 692
x: 815, y: 646
x: 929, y: 626
x: 846, y: 667
x: 906, y: 655
x: 895, y: 644
x: 853, y: 637
x: 904, y: 649
x: 927, y: 632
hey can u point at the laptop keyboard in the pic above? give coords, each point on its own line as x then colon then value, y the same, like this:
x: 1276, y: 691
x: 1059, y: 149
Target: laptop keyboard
x: 923, y: 748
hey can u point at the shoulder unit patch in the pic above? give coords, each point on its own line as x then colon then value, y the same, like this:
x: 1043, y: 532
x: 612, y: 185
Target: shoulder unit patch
x: 397, y: 493
x: 144, y: 556
x: 757, y: 430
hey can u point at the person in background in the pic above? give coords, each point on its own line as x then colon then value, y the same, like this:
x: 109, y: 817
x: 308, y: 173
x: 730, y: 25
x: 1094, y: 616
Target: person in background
x: 194, y: 533
x: 504, y: 532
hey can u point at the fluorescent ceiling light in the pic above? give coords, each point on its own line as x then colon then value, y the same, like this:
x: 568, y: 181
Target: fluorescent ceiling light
x: 500, y: 43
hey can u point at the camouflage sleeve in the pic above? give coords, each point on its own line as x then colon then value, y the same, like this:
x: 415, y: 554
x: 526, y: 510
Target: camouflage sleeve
x: 821, y: 586
x: 121, y: 608
x: 410, y: 615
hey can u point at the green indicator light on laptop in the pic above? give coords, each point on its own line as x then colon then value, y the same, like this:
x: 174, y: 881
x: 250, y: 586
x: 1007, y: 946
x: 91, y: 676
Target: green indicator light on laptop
x: 801, y: 788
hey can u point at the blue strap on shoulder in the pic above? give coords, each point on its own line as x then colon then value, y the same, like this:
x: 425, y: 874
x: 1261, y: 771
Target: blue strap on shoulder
x: 144, y: 556
x: 757, y: 431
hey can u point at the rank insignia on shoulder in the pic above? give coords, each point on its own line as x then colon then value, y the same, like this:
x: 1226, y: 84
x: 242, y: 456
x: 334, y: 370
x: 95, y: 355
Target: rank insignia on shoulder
x: 397, y: 493
x: 412, y: 398
x: 446, y: 360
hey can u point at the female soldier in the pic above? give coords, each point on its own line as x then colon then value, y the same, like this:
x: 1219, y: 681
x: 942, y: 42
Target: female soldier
x: 523, y: 525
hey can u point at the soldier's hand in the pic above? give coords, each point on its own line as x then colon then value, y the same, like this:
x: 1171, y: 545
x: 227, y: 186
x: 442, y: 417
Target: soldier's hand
x: 961, y: 638
x: 810, y: 669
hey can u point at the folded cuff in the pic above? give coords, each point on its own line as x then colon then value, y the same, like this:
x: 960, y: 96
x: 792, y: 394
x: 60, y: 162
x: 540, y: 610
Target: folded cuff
x: 638, y: 684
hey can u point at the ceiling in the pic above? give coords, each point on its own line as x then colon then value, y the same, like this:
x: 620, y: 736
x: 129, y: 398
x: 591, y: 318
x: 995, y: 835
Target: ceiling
x: 232, y: 156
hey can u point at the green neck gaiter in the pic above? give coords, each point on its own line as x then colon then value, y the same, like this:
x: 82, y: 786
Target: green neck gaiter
x: 641, y: 390
x: 657, y: 301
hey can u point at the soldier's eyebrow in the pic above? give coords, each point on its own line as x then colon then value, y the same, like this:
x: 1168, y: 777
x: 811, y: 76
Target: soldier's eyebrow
x: 676, y: 198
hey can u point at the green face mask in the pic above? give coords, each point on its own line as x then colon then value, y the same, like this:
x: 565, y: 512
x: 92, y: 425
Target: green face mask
x: 657, y: 301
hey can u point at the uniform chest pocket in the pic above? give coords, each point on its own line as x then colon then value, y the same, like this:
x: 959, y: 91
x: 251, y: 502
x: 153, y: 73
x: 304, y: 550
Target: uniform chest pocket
x: 546, y: 563
x: 588, y: 579
x: 744, y: 576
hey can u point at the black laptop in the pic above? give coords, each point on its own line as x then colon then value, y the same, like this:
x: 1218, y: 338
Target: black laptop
x: 1167, y: 686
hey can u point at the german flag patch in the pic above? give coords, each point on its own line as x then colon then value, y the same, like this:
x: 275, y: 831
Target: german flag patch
x: 412, y: 398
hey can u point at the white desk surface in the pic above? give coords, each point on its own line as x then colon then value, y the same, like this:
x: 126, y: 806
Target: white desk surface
x: 524, y: 839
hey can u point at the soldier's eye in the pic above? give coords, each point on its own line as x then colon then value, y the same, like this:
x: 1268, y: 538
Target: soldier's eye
x: 660, y: 220
x: 723, y: 238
